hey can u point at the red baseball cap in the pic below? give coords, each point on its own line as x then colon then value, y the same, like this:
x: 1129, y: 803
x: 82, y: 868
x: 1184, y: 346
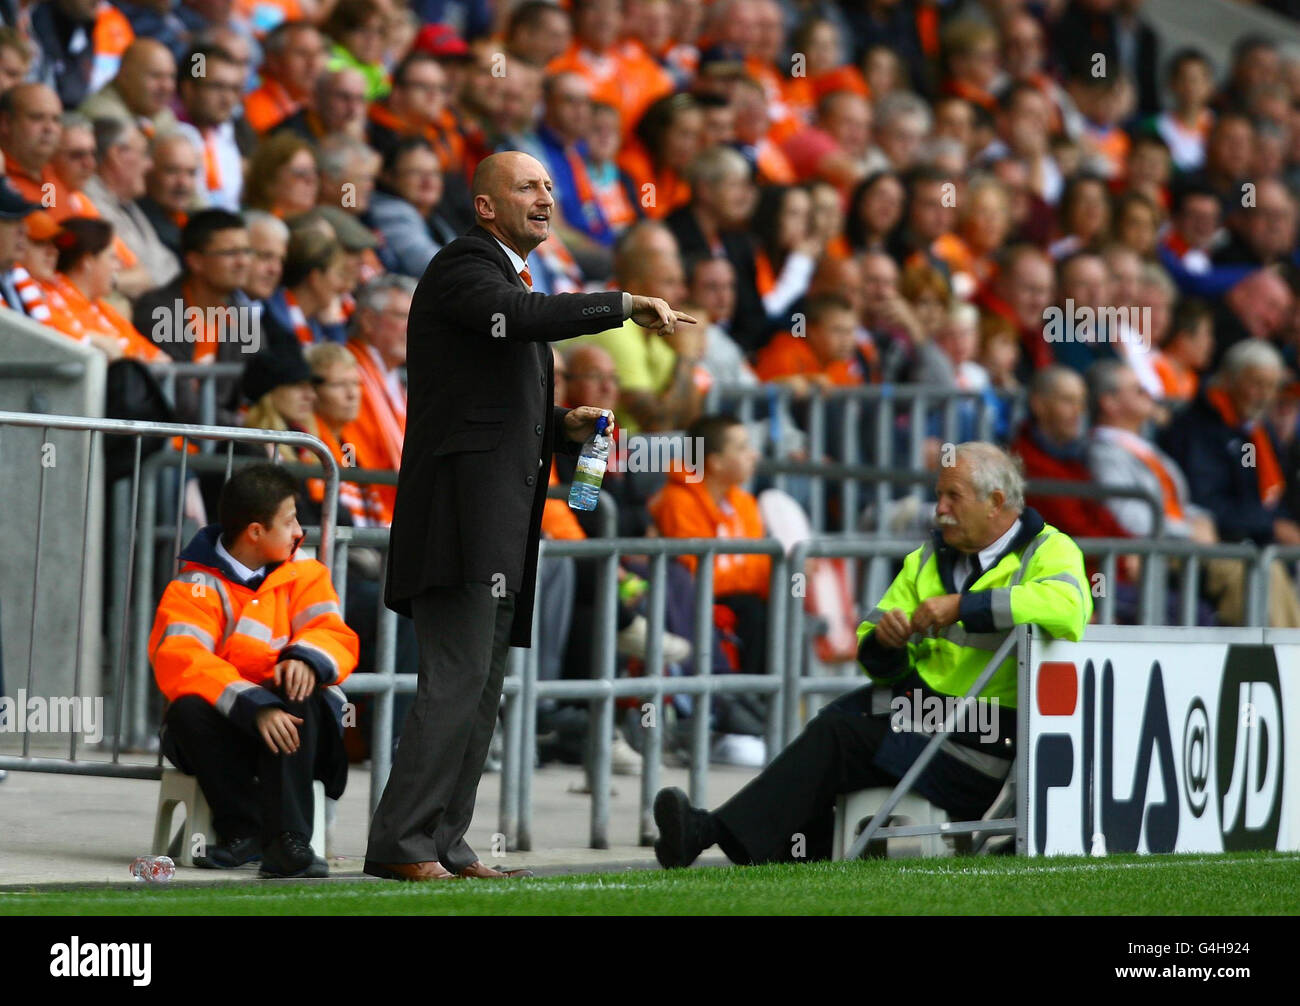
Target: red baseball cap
x: 441, y: 40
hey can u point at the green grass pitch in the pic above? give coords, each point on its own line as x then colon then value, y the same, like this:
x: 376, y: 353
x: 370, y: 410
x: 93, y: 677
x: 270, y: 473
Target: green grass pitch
x: 1238, y: 884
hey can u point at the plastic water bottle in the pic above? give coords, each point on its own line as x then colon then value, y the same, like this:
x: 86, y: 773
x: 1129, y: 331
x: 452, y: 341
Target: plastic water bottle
x: 584, y: 492
x: 153, y: 869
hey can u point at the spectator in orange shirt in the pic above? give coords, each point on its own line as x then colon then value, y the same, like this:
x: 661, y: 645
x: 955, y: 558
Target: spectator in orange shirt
x: 1187, y: 352
x: 378, y: 344
x: 660, y: 150
x: 29, y: 137
x: 713, y: 504
x: 538, y: 32
x: 824, y: 356
x: 86, y: 266
x: 294, y: 56
x: 619, y: 71
x: 336, y: 105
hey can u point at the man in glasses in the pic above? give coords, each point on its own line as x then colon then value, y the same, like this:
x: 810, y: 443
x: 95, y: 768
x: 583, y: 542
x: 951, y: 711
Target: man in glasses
x: 211, y: 84
x: 203, y: 315
x: 336, y: 107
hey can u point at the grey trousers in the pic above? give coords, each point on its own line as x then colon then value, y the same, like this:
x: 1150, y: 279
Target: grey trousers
x: 428, y: 801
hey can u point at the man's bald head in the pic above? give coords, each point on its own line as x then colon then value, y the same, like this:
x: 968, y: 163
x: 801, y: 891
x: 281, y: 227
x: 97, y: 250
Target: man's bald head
x: 513, y: 201
x: 147, y: 77
x: 497, y: 170
x: 592, y: 377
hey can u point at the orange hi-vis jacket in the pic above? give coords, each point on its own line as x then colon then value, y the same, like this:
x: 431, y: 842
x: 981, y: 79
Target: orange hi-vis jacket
x: 217, y: 638
x: 684, y: 509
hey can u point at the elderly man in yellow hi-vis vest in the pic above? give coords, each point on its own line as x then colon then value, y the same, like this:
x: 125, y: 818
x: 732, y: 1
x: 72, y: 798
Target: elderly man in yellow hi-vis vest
x: 992, y: 564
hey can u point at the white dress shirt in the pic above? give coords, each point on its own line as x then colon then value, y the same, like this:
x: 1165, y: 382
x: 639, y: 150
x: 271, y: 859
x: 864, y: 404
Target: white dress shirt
x: 962, y: 568
x: 242, y: 571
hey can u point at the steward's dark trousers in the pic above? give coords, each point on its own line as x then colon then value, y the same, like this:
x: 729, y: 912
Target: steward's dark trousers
x: 254, y: 792
x: 787, y: 812
x: 428, y: 802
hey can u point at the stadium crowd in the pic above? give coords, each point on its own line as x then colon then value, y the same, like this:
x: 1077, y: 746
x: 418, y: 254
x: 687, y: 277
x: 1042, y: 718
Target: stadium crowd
x: 1008, y: 197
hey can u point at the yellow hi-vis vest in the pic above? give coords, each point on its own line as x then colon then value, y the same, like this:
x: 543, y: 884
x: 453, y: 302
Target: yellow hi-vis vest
x: 1039, y: 579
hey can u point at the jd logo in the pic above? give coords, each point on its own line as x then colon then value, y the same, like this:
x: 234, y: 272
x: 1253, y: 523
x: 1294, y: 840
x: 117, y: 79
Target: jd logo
x: 1250, y: 753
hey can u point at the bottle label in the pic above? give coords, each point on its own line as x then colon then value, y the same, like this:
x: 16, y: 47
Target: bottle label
x: 590, y: 471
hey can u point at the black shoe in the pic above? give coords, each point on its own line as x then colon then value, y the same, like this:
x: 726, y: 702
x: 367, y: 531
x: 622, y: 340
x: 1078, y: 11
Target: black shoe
x: 291, y: 855
x: 231, y: 854
x: 682, y: 829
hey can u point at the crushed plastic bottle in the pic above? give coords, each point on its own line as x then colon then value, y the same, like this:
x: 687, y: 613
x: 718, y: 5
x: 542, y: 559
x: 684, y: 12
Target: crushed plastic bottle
x: 153, y: 869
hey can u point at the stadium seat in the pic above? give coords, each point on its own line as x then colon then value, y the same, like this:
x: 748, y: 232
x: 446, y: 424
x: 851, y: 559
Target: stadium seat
x: 853, y: 812
x: 177, y: 787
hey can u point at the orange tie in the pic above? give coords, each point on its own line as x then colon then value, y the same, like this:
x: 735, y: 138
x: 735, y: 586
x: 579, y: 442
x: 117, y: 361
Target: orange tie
x: 527, y: 277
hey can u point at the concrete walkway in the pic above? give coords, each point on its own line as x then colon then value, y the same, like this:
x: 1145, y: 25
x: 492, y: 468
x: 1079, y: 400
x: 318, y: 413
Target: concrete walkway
x: 76, y: 830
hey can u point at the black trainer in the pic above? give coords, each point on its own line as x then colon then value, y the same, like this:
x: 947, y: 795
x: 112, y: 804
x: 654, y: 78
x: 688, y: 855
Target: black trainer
x: 682, y: 829
x: 291, y: 855
x: 231, y: 854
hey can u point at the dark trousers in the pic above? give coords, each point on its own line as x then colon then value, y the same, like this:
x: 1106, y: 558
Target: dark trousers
x: 254, y: 792
x: 789, y: 808
x: 428, y: 801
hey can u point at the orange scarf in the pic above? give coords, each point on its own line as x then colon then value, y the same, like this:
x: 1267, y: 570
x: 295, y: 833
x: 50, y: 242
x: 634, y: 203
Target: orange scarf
x: 389, y: 413
x: 362, y: 502
x: 1168, y: 488
x: 1267, y: 470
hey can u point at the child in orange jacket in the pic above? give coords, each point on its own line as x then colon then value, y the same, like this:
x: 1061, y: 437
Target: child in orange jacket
x: 249, y: 646
x: 713, y: 505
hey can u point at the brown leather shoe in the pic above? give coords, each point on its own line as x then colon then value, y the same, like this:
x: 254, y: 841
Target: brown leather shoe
x: 477, y: 871
x: 431, y: 870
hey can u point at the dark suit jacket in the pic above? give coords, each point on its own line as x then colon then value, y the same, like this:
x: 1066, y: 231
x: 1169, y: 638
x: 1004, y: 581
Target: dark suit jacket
x: 481, y: 427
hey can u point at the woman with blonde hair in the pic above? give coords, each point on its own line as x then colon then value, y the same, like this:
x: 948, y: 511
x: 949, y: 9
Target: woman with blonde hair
x: 337, y: 382
x: 283, y: 395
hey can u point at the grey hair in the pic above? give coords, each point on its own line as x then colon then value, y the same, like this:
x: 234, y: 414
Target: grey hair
x: 716, y: 164
x: 903, y: 105
x: 260, y: 218
x: 1103, y: 379
x: 335, y: 153
x: 109, y: 133
x: 993, y: 469
x: 1047, y: 380
x: 374, y: 293
x: 1154, y: 274
x: 74, y: 120
x: 1248, y: 354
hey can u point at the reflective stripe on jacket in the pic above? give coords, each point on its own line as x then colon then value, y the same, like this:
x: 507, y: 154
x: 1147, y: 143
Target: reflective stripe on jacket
x: 217, y: 638
x: 1038, y: 579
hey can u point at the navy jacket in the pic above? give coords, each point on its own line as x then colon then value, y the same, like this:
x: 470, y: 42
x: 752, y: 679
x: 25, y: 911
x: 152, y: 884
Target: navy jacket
x: 1210, y: 454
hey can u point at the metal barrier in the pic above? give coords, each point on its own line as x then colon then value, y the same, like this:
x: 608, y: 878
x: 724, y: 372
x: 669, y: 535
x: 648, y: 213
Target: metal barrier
x: 95, y: 430
x: 206, y: 375
x: 895, y: 410
x: 851, y: 476
x: 791, y: 678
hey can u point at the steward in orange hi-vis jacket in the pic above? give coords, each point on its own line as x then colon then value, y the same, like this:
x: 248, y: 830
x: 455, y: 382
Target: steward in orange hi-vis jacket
x: 220, y: 639
x: 249, y: 646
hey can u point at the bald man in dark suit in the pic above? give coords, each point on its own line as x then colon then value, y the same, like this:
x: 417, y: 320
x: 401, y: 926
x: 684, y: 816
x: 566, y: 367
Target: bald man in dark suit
x: 462, y: 559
